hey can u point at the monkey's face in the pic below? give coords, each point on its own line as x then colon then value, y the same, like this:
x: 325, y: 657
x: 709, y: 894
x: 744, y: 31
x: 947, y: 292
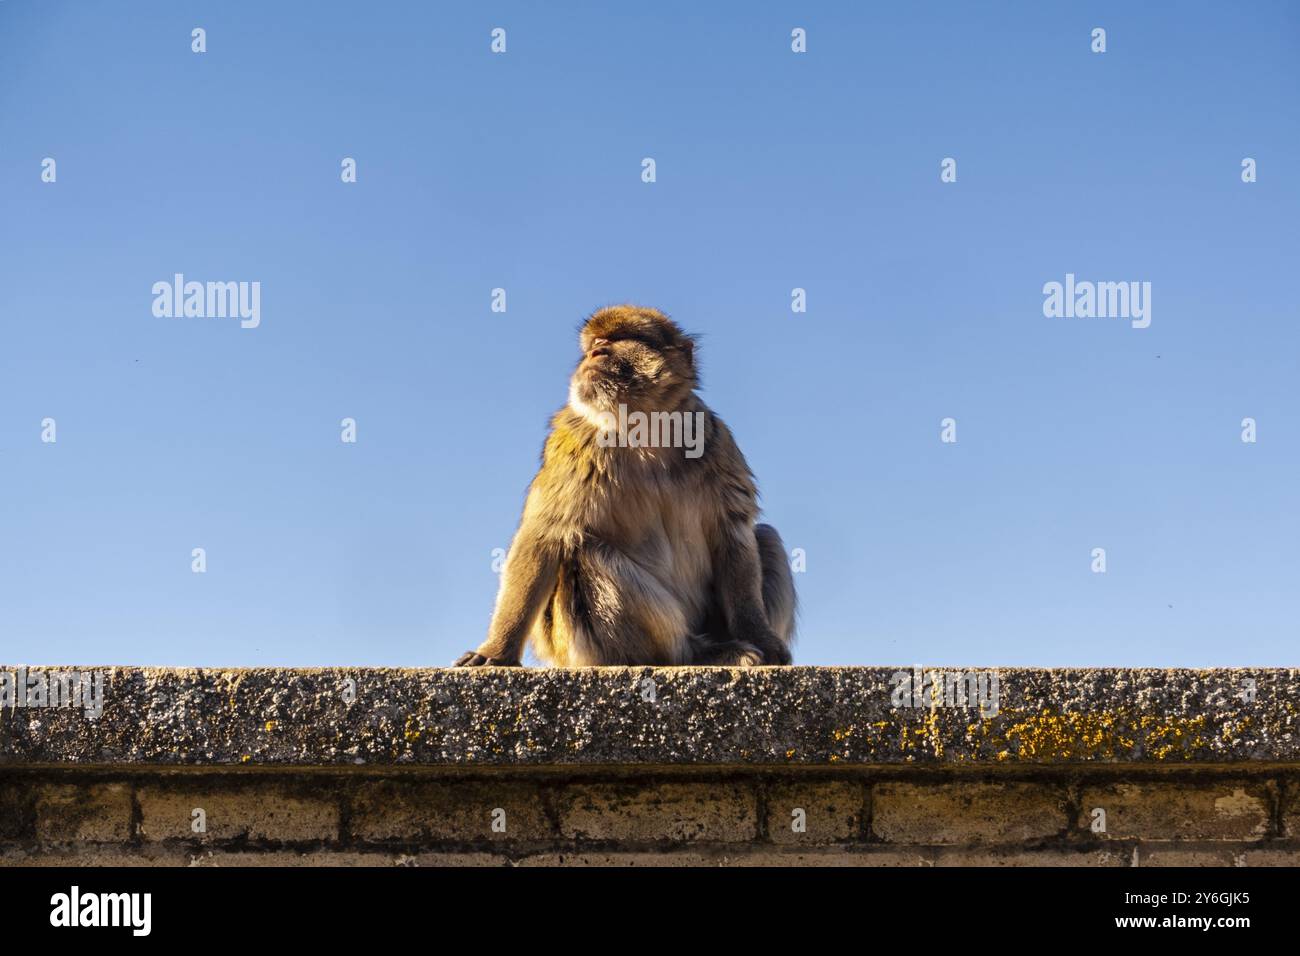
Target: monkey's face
x: 635, y: 357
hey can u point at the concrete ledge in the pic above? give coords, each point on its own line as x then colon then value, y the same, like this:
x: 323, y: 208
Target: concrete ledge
x: 660, y: 716
x: 646, y: 766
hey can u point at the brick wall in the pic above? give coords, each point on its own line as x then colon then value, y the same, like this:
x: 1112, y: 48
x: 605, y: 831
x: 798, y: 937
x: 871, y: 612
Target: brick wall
x: 742, y: 818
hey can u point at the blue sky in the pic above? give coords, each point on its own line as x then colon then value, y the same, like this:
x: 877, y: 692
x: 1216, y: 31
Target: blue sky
x: 775, y: 170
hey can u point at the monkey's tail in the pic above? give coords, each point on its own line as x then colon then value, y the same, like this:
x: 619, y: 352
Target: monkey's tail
x: 778, y: 583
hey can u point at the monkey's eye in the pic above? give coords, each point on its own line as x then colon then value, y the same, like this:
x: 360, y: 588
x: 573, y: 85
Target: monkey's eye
x: 633, y: 337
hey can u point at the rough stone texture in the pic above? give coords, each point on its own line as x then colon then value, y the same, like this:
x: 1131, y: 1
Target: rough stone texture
x: 967, y: 812
x: 89, y: 855
x: 655, y: 767
x: 1015, y: 856
x: 833, y: 811
x: 418, y: 811
x: 17, y: 811
x: 649, y: 812
x: 248, y: 810
x: 698, y: 715
x: 98, y: 813
x: 1233, y: 810
x: 1290, y: 806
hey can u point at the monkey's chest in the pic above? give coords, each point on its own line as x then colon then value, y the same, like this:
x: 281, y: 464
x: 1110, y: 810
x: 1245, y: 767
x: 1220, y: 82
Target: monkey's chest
x: 667, y: 555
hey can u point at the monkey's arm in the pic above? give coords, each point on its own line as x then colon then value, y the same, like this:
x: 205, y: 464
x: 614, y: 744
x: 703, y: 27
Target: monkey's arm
x: 527, y: 580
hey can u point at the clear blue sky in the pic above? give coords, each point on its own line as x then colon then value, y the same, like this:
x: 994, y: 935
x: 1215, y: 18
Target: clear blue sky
x: 775, y: 170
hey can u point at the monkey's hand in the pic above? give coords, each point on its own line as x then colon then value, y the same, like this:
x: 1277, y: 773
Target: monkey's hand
x: 475, y: 659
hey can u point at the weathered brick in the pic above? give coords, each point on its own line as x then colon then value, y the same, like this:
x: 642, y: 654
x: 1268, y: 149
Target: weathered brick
x: 1177, y: 811
x: 966, y: 812
x: 498, y: 856
x: 255, y: 810
x: 857, y: 855
x: 83, y: 813
x: 1015, y: 856
x: 17, y: 810
x: 1268, y: 856
x: 1225, y: 854
x: 404, y: 810
x: 326, y: 857
x: 832, y: 811
x: 676, y: 812
x: 1291, y: 807
x: 640, y: 859
x: 284, y: 858
x: 1182, y: 854
x: 100, y: 854
x: 737, y: 855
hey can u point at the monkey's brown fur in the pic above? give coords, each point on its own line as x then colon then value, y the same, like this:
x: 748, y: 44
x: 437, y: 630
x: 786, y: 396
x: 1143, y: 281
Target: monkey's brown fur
x: 640, y: 555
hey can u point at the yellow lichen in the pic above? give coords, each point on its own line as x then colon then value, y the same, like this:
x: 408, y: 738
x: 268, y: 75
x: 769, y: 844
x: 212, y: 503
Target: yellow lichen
x: 1048, y: 735
x: 1104, y: 735
x: 411, y: 731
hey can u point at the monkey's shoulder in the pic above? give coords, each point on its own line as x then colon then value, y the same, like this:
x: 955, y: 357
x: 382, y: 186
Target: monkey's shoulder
x: 571, y: 444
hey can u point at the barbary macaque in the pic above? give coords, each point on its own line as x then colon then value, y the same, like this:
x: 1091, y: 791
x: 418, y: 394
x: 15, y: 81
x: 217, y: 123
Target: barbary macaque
x: 638, y: 542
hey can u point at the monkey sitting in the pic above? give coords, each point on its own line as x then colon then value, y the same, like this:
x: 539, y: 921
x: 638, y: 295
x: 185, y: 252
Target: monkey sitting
x: 631, y: 551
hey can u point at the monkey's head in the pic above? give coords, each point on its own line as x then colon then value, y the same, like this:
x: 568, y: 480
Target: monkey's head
x: 633, y: 356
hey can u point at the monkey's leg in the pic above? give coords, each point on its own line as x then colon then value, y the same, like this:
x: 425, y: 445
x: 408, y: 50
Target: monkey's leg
x: 740, y: 575
x: 778, y: 582
x: 616, y: 612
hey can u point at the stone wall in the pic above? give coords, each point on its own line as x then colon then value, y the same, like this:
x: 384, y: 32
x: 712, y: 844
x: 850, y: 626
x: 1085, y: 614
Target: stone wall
x: 647, y: 766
